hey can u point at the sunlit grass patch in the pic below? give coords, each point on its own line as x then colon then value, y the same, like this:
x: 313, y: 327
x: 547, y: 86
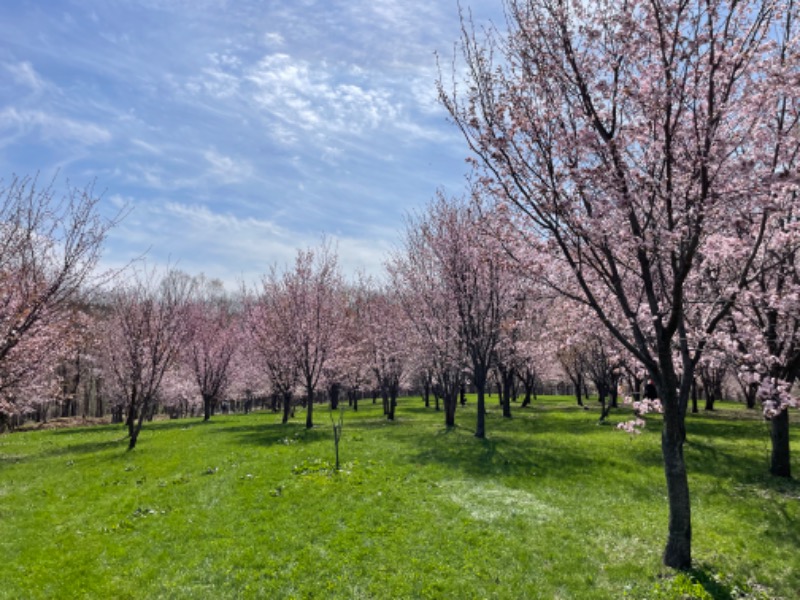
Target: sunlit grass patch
x: 551, y: 505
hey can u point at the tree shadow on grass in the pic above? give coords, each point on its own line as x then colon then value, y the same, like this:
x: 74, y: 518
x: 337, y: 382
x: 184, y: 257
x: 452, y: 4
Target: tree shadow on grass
x: 717, y: 584
x: 499, y: 455
x: 726, y: 428
x: 68, y: 450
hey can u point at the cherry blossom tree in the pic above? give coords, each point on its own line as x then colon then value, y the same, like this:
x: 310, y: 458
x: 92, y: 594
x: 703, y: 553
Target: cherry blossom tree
x: 213, y: 338
x: 269, y: 329
x: 765, y: 338
x: 430, y: 309
x: 625, y: 138
x: 298, y: 315
x: 50, y: 244
x: 766, y: 324
x: 178, y: 392
x: 385, y: 342
x: 473, y: 274
x: 143, y: 336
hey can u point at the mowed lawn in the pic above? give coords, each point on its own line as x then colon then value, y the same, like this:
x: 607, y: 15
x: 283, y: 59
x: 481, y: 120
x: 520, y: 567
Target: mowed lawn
x: 551, y: 505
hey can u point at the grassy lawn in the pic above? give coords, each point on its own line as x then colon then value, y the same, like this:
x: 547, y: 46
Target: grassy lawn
x: 551, y: 505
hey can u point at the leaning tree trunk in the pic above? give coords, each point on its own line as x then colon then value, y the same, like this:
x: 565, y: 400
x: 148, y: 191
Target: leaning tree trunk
x: 678, y: 551
x: 779, y: 433
x: 137, y: 423
x: 578, y: 383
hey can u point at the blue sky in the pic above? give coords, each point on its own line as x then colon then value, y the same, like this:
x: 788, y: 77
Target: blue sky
x: 237, y: 130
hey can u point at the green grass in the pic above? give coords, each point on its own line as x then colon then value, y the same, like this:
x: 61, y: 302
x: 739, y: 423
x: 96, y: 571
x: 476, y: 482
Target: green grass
x: 551, y: 505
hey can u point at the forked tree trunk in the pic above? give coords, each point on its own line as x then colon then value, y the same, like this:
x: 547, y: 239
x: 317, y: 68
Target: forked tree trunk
x: 137, y: 424
x: 385, y: 400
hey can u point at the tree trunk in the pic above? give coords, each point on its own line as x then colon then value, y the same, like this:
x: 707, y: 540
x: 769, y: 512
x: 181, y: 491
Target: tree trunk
x: 695, y: 410
x: 507, y: 377
x: 287, y: 406
x: 637, y: 389
x: 750, y: 395
x: 779, y: 432
x: 480, y: 386
x: 578, y: 383
x: 309, y: 406
x: 528, y: 383
x: 605, y: 409
x: 207, y: 403
x: 678, y: 551
x: 450, y: 404
x: 138, y: 425
x: 130, y: 422
x: 333, y: 395
x: 385, y: 400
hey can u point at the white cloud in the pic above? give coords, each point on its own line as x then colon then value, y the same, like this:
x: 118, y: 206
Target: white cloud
x: 310, y: 98
x: 273, y: 38
x: 54, y: 127
x: 24, y: 74
x: 235, y: 248
x: 226, y: 169
x: 150, y: 148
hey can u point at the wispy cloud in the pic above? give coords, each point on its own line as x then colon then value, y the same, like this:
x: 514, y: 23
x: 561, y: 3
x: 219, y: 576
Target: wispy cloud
x: 226, y: 169
x: 248, y: 127
x: 24, y: 74
x: 53, y: 127
x: 237, y: 248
